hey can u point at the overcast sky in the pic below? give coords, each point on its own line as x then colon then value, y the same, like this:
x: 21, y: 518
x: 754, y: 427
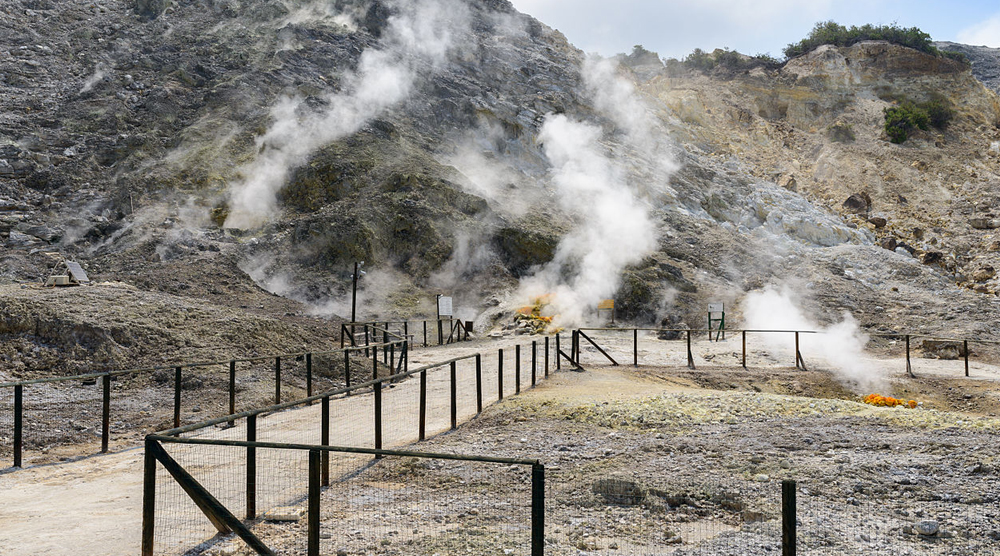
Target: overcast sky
x: 674, y: 29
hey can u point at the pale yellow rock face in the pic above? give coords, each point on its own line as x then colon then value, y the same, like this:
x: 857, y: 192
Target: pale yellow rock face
x: 815, y: 126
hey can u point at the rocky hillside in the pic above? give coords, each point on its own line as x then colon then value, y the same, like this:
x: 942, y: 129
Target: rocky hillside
x: 985, y: 61
x: 219, y: 151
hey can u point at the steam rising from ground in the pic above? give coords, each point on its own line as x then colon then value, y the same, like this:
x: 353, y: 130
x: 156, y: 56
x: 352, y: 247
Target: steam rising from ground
x: 614, y: 228
x: 416, y: 41
x: 841, y: 346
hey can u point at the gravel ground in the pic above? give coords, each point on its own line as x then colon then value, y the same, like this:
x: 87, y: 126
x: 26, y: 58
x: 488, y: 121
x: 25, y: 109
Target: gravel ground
x: 650, y: 464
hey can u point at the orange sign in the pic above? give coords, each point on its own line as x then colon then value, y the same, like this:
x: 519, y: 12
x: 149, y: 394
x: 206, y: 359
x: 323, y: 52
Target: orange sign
x: 606, y: 304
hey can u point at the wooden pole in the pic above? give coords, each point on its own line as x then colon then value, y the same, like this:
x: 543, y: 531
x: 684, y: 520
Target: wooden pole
x: 177, y: 397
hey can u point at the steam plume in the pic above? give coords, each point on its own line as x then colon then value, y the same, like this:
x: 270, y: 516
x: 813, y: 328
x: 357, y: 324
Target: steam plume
x: 840, y: 345
x: 613, y: 226
x: 416, y: 40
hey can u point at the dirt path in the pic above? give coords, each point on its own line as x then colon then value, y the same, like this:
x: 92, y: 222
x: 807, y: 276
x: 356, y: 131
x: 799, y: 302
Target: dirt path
x: 92, y: 507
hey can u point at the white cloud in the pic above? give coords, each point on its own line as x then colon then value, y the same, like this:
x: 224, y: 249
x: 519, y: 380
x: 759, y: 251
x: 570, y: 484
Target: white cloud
x: 985, y: 33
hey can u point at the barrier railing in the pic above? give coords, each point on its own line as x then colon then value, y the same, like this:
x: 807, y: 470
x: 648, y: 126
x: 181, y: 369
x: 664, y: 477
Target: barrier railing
x: 178, y: 375
x: 959, y: 345
x: 445, y: 395
x: 457, y: 331
x: 492, y: 518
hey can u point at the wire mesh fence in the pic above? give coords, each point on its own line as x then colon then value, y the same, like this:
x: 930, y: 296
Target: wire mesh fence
x: 857, y: 519
x: 628, y: 513
x: 391, y: 411
x: 63, y: 417
x: 397, y: 503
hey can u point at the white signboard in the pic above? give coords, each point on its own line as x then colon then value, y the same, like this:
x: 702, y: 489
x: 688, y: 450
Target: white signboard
x: 444, y: 307
x: 716, y: 308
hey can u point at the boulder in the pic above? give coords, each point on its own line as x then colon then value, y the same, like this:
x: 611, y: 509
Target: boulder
x: 888, y: 243
x: 619, y: 491
x: 858, y: 203
x: 878, y: 222
x: 932, y: 257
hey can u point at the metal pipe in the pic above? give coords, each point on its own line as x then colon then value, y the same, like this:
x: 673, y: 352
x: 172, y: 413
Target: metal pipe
x: 500, y: 375
x: 277, y: 380
x: 423, y: 406
x: 788, y: 518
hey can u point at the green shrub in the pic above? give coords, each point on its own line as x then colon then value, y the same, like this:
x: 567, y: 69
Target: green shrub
x: 730, y: 60
x: 831, y: 32
x: 939, y: 111
x: 903, y: 119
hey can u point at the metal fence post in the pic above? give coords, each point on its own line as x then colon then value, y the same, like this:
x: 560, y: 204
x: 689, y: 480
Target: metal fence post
x: 347, y: 369
x: 534, y: 358
x: 277, y: 380
x: 909, y: 369
x: 788, y: 518
x: 797, y: 350
x: 423, y: 405
x: 251, y: 486
x: 148, y: 499
x: 690, y: 355
x: 454, y: 396
x: 366, y: 341
x: 558, y: 361
x: 177, y: 397
x: 324, y: 438
x: 635, y: 347
x: 517, y: 369
x: 479, y: 383
x: 18, y: 424
x: 378, y: 417
x: 546, y: 357
x: 232, y: 387
x: 537, y: 509
x: 965, y: 346
x: 106, y: 412
x: 425, y: 333
x: 309, y: 376
x: 744, y: 349
x: 500, y: 375
x: 313, y: 513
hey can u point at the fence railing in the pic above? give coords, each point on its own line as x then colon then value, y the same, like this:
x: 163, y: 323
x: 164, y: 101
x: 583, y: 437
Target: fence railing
x: 60, y: 391
x: 456, y: 330
x: 493, y: 518
x: 369, y: 417
x: 960, y: 346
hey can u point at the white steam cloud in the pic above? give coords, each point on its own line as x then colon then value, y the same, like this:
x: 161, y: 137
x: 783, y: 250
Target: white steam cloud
x: 416, y: 42
x: 613, y: 229
x: 841, y: 345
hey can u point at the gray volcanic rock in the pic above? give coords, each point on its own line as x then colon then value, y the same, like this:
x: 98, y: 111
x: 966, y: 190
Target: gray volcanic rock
x: 985, y: 61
